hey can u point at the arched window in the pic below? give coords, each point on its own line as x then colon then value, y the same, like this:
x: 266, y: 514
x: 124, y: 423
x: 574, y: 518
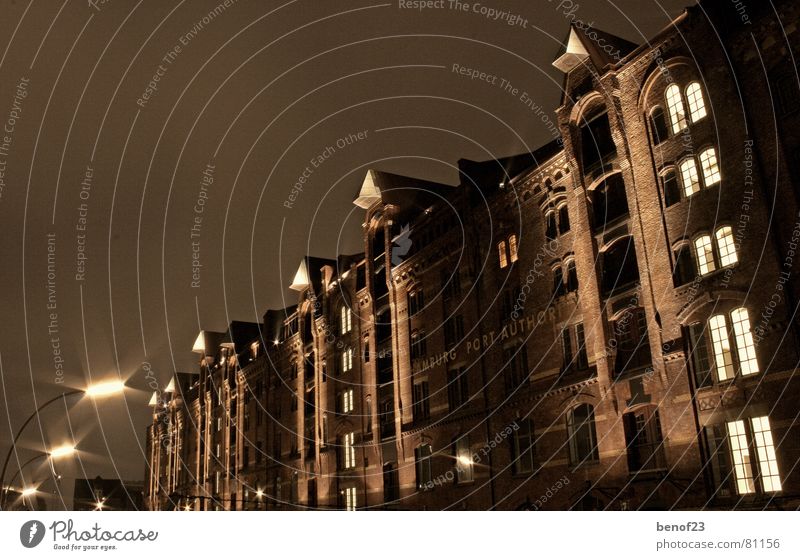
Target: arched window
x: 658, y: 125
x: 726, y: 248
x: 694, y: 96
x: 572, y: 277
x: 512, y: 248
x: 684, y: 266
x: 689, y: 177
x: 347, y: 360
x: 582, y: 434
x: 633, y: 343
x: 501, y: 250
x: 672, y: 192
x: 710, y: 166
x: 731, y: 345
x: 620, y: 266
x: 563, y: 218
x: 558, y: 282
x: 550, y: 225
x: 704, y: 252
x: 609, y: 202
x: 720, y: 338
x: 745, y: 348
x: 677, y: 113
x: 346, y: 319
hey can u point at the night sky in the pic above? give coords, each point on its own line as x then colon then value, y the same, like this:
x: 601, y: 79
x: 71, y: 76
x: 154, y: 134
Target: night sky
x: 150, y: 150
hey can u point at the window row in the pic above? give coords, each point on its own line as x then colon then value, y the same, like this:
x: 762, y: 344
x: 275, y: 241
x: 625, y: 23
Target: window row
x: 677, y: 102
x: 690, y: 175
x: 507, y: 250
x: 705, y: 255
x: 581, y: 433
x: 742, y: 457
x: 723, y: 346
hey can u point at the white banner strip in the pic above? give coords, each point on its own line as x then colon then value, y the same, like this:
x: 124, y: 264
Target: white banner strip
x: 401, y: 535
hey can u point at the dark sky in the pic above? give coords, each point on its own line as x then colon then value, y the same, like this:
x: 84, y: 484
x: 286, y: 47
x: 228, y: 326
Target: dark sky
x: 257, y: 91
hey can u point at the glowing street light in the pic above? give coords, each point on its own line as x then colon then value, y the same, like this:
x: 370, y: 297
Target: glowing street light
x: 62, y: 451
x: 105, y: 388
x: 95, y: 390
x: 99, y: 505
x: 28, y: 492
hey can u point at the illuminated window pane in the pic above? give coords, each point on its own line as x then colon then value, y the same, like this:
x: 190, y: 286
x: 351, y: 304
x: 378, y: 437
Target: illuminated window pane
x: 349, y: 451
x: 350, y: 499
x: 723, y: 359
x: 745, y: 348
x: 708, y: 161
x: 765, y: 452
x: 689, y: 177
x: 347, y: 401
x: 501, y: 249
x: 705, y: 255
x: 742, y: 467
x: 512, y: 247
x: 697, y: 107
x: 726, y: 247
x: 346, y: 320
x: 677, y: 113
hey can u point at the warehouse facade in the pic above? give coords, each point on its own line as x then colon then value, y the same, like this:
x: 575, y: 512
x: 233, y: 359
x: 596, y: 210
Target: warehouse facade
x: 607, y: 322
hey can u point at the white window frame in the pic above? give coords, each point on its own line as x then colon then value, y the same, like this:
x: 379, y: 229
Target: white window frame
x: 675, y: 108
x: 695, y: 101
x: 709, y: 164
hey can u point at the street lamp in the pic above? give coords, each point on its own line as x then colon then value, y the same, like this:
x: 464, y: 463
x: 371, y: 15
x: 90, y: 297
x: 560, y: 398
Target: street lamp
x: 62, y: 451
x: 95, y: 390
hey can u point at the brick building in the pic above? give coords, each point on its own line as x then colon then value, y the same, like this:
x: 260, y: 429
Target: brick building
x: 607, y: 322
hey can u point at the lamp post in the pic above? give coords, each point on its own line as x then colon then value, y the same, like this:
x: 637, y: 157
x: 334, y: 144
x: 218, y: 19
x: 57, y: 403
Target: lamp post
x: 95, y: 390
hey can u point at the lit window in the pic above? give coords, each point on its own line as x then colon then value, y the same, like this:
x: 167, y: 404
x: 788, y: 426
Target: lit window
x: 348, y: 443
x: 742, y: 457
x: 677, y: 113
x: 350, y: 499
x: 254, y: 350
x: 691, y: 181
x: 745, y: 349
x: 726, y: 248
x: 347, y: 401
x: 765, y: 452
x: 346, y: 320
x: 720, y: 338
x: 512, y: 248
x: 705, y: 254
x: 743, y: 468
x: 697, y: 107
x: 501, y: 249
x: 347, y: 360
x: 708, y: 161
x: 464, y: 466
